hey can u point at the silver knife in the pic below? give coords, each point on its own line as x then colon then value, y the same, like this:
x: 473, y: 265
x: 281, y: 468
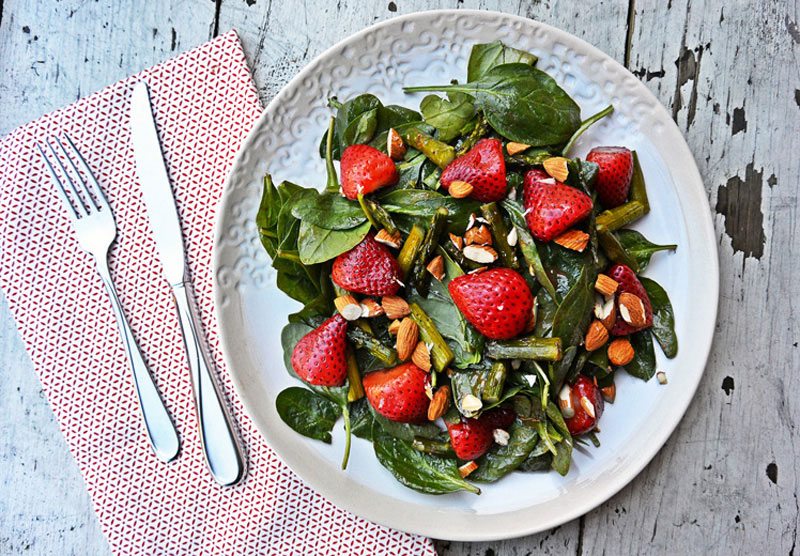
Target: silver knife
x: 216, y: 433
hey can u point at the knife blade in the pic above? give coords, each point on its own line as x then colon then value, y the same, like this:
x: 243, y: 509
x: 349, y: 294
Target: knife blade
x: 222, y: 451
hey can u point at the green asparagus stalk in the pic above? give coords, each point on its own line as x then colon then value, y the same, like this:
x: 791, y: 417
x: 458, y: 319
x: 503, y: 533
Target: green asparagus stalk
x: 441, y: 354
x: 438, y: 152
x: 533, y: 158
x: 410, y: 250
x: 616, y: 218
x: 500, y: 234
x: 481, y: 129
x: 333, y: 181
x: 365, y: 340
x: 531, y: 255
x: 458, y: 256
x: 356, y: 391
x: 365, y: 209
x: 638, y: 188
x: 531, y: 347
x: 419, y: 276
x: 379, y: 215
x: 435, y: 447
x: 495, y: 381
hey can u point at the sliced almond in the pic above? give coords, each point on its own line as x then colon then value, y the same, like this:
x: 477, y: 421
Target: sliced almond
x: 478, y: 235
x: 407, y: 338
x: 371, y: 308
x: 440, y: 403
x: 392, y: 240
x: 513, y: 148
x: 609, y: 393
x: 480, y: 254
x: 557, y: 167
x: 436, y: 267
x: 395, y: 147
x: 631, y: 309
x: 512, y: 237
x: 458, y: 241
x: 661, y: 376
x: 460, y: 189
x: 605, y: 285
x: 421, y: 357
x: 605, y: 311
x: 395, y: 307
x: 620, y: 352
x: 565, y: 402
x: 470, y: 405
x: 467, y: 468
x: 348, y: 307
x: 575, y: 240
x: 588, y: 406
x: 501, y: 437
x: 394, y: 326
x: 596, y: 336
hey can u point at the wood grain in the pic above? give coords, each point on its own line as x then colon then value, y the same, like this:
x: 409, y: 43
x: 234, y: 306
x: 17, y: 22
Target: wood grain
x: 728, y: 72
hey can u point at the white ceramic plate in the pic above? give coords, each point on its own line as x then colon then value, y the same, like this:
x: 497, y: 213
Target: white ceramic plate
x: 426, y: 48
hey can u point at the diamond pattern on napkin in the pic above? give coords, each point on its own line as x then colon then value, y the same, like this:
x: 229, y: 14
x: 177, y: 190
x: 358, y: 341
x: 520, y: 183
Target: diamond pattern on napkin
x: 205, y: 104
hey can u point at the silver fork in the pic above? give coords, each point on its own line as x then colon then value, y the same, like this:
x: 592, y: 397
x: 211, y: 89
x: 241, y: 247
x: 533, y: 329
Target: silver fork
x: 96, y: 230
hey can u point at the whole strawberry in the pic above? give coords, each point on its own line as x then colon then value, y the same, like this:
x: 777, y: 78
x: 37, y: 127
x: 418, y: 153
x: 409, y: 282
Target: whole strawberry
x: 368, y: 268
x: 399, y: 393
x: 614, y: 176
x: 365, y: 169
x: 584, y: 421
x: 319, y: 357
x: 483, y: 167
x: 629, y: 283
x: 471, y: 438
x: 551, y: 207
x: 497, y: 301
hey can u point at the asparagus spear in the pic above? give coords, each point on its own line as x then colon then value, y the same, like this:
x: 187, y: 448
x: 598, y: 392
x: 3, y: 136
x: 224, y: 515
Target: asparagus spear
x: 419, y: 275
x: 408, y: 253
x: 435, y: 447
x: 438, y: 152
x: 356, y: 391
x: 481, y: 128
x: 441, y: 354
x: 365, y: 340
x: 531, y: 347
x: 616, y: 218
x: 495, y: 380
x: 500, y: 233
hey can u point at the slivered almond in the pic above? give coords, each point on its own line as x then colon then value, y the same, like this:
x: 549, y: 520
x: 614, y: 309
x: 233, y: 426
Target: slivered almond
x: 513, y: 148
x: 460, y: 189
x: 609, y: 393
x: 605, y: 311
x: 565, y: 402
x: 512, y: 237
x: 407, y: 338
x: 392, y: 240
x: 556, y: 166
x: 470, y: 405
x: 439, y: 404
x: 421, y: 357
x: 348, y: 307
x: 596, y: 336
x: 467, y: 468
x: 395, y: 147
x: 620, y: 352
x: 631, y: 309
x: 575, y: 240
x: 394, y: 327
x: 605, y: 285
x: 458, y: 241
x: 395, y: 307
x: 479, y: 235
x: 371, y: 308
x: 436, y: 267
x: 480, y: 254
x: 588, y: 406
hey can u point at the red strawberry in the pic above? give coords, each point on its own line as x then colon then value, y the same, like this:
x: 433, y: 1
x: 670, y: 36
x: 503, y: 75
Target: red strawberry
x: 483, y: 167
x: 365, y: 169
x: 319, y: 357
x: 629, y: 283
x: 368, y: 268
x: 614, y: 177
x: 583, y: 421
x: 497, y: 301
x: 551, y: 207
x: 471, y: 438
x: 399, y: 393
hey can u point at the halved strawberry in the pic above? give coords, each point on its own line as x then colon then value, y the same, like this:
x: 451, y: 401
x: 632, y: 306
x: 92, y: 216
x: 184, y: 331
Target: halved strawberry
x: 583, y: 421
x: 629, y: 283
x: 551, y: 207
x: 471, y: 438
x: 614, y: 176
x: 399, y: 393
x: 365, y: 169
x: 483, y: 167
x: 368, y: 268
x: 498, y: 301
x: 319, y: 357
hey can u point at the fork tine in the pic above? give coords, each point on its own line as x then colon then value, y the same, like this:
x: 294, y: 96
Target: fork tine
x: 93, y: 184
x: 57, y: 182
x: 78, y: 204
x: 89, y: 203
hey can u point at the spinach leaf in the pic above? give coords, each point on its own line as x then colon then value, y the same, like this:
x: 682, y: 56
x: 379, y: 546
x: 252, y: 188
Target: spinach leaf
x: 484, y: 57
x: 423, y: 203
x: 528, y: 246
x: 307, y: 413
x: 563, y: 457
x: 356, y: 122
x: 408, y: 170
x: 468, y: 382
x: 575, y: 311
x: 406, y: 431
x: 361, y: 419
x: 644, y: 361
x: 521, y: 103
x: 317, y: 244
x: 537, y: 462
x: 419, y: 471
x: 449, y: 116
x: 639, y: 247
x: 663, y: 317
x: 328, y: 210
x: 502, y: 460
x: 394, y: 115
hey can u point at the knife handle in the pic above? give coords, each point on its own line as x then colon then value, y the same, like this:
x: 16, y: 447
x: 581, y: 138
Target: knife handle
x: 216, y: 434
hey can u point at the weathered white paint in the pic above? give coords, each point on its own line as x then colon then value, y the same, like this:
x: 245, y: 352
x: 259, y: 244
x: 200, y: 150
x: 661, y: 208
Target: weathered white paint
x: 708, y: 490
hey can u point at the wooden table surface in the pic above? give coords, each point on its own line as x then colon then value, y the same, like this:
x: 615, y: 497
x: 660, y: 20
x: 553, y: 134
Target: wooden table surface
x: 726, y: 482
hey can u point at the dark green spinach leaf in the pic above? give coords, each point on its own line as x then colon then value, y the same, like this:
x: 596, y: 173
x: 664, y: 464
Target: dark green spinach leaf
x: 639, y: 247
x: 449, y: 116
x: 644, y: 361
x: 575, y: 311
x: 485, y: 57
x: 502, y: 460
x: 308, y: 413
x: 361, y: 419
x: 318, y: 245
x: 328, y: 210
x: 663, y: 317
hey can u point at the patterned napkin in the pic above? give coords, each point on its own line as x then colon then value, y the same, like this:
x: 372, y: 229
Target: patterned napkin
x: 205, y: 103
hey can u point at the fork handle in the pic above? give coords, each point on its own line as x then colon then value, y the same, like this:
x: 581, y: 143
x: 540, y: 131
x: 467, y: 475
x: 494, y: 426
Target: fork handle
x: 216, y: 434
x: 160, y: 431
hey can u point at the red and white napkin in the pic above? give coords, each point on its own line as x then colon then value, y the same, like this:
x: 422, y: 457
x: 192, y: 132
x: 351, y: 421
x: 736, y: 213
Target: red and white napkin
x: 205, y: 104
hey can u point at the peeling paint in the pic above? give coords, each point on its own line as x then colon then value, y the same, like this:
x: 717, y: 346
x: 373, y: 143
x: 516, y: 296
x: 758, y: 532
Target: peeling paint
x: 739, y: 201
x: 688, y: 63
x: 739, y: 121
x: 791, y: 27
x: 772, y: 472
x: 728, y: 385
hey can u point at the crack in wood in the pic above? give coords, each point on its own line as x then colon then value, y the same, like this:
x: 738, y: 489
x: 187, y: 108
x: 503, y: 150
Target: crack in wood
x: 629, y: 32
x: 217, y: 9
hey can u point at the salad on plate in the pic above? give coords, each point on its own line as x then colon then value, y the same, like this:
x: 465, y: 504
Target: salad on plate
x: 469, y: 289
